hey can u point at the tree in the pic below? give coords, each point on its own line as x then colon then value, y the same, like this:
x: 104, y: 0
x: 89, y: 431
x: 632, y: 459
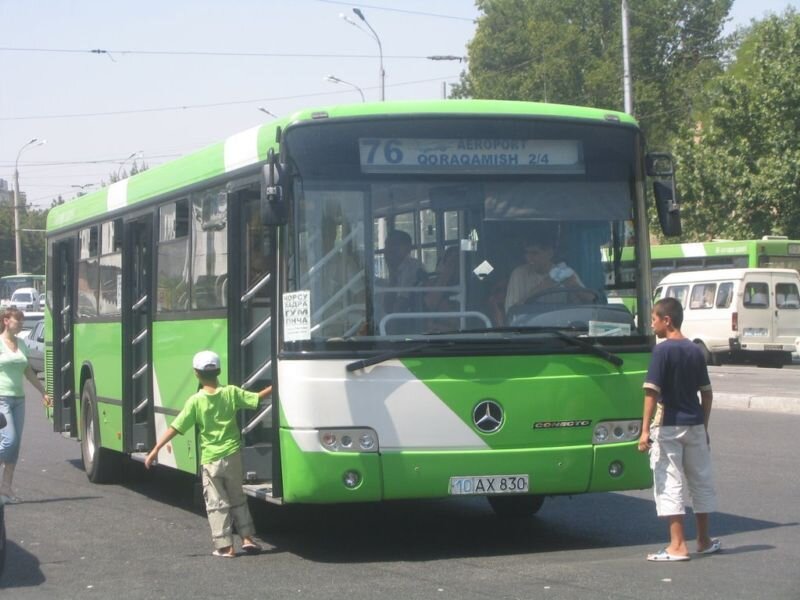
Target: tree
x: 739, y: 167
x: 571, y: 52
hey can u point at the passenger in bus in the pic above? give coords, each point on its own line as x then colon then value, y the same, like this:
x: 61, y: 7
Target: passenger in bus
x: 496, y: 299
x: 446, y: 275
x: 405, y: 272
x: 213, y: 411
x: 539, y: 272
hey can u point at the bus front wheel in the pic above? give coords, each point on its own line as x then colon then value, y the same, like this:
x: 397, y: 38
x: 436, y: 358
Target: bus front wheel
x: 100, y: 464
x: 515, y: 507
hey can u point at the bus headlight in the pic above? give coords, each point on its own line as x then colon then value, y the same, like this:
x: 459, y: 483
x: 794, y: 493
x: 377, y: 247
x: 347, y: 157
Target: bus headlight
x: 349, y: 440
x: 610, y: 432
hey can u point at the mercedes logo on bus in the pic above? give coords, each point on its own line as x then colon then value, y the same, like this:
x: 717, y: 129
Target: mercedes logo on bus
x: 487, y: 416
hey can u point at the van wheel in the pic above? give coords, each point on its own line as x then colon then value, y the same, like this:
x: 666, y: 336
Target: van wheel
x: 101, y: 464
x: 710, y: 358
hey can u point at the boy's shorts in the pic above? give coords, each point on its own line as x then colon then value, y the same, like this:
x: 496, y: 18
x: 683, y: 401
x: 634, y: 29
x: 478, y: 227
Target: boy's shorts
x: 681, y: 462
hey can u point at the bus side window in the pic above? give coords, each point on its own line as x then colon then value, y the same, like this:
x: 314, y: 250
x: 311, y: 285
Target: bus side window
x: 725, y: 294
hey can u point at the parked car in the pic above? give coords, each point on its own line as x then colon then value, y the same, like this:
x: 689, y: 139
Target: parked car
x: 35, y: 343
x: 31, y: 318
x: 750, y: 315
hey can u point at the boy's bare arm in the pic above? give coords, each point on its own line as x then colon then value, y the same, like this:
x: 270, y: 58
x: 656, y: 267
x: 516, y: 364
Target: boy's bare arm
x: 706, y: 399
x: 165, y: 438
x: 650, y: 397
x: 265, y: 392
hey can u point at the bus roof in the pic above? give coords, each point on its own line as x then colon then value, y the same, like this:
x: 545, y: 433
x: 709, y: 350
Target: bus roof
x: 248, y: 148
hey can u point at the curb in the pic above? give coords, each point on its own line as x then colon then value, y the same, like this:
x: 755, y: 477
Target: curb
x: 781, y: 404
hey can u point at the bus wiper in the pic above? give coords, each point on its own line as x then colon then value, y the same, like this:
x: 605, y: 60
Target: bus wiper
x: 357, y: 365
x: 594, y: 349
x: 577, y: 342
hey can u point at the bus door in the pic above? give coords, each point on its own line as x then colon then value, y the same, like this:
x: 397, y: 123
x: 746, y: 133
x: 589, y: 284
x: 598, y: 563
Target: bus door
x: 137, y: 344
x: 251, y: 313
x: 62, y: 368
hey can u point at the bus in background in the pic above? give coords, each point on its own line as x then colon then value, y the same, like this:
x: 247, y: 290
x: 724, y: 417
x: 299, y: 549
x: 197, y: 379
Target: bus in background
x: 355, y: 257
x: 10, y: 283
x: 772, y: 251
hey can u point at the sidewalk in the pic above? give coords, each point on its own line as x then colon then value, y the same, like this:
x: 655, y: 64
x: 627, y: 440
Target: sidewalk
x: 783, y: 404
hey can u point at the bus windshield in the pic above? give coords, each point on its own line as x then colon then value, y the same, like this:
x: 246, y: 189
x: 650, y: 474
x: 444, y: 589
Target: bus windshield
x: 415, y: 228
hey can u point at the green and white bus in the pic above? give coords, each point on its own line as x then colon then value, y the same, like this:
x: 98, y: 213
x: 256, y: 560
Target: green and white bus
x: 770, y: 251
x: 269, y: 248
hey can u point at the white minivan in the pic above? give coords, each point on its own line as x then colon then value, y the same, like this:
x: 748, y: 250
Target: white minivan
x: 749, y: 315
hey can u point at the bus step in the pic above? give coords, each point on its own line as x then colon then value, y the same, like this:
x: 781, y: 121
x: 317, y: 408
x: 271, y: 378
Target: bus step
x: 257, y: 462
x: 262, y: 491
x: 139, y: 456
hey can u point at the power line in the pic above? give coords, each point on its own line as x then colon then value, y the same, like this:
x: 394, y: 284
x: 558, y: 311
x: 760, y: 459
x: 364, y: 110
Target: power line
x: 112, y: 53
x: 399, y: 10
x: 209, y: 105
x: 29, y: 164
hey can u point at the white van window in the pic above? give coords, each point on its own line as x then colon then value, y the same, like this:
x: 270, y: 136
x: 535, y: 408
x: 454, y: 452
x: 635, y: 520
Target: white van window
x: 756, y: 295
x: 678, y: 292
x: 786, y: 296
x: 725, y: 294
x: 657, y: 294
x: 703, y: 295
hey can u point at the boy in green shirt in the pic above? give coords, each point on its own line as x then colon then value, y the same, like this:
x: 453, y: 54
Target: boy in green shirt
x: 213, y: 411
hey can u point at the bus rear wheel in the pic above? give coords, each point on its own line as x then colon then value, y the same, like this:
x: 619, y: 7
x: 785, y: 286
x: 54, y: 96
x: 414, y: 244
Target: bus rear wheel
x: 101, y: 464
x: 515, y: 507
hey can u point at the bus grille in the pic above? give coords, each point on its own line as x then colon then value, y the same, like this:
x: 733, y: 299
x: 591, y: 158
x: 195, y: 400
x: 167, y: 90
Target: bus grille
x: 48, y: 371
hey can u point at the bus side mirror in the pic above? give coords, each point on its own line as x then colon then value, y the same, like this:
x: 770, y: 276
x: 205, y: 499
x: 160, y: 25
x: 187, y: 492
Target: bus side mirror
x: 660, y: 167
x: 273, y: 204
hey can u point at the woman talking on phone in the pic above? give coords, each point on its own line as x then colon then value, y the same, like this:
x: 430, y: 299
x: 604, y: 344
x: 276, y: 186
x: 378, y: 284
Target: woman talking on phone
x: 13, y: 367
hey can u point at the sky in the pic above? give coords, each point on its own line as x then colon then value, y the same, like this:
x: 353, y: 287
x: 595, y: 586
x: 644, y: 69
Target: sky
x: 177, y: 75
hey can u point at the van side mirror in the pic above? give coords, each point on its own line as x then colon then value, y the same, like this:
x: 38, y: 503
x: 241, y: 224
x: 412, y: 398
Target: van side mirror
x: 273, y: 204
x: 661, y: 168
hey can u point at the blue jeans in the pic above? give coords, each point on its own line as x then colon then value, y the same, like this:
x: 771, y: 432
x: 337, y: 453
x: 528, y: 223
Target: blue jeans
x: 13, y: 407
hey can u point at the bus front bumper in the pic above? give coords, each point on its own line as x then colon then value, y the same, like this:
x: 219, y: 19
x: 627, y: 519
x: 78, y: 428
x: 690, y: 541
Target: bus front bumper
x: 333, y: 477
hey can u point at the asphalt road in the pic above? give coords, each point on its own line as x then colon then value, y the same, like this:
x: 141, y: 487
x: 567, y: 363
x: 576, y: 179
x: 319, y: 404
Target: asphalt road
x: 145, y: 539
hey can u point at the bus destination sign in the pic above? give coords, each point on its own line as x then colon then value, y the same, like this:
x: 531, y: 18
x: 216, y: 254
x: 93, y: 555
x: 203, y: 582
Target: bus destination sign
x: 470, y: 155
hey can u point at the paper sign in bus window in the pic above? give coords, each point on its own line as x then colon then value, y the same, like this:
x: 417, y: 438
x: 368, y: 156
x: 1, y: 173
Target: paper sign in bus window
x: 297, y: 316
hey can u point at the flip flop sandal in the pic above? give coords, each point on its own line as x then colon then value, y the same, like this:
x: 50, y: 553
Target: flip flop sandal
x: 664, y: 556
x: 251, y: 548
x: 715, y: 546
x: 222, y: 554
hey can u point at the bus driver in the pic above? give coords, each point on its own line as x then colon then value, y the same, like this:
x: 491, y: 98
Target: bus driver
x: 538, y: 273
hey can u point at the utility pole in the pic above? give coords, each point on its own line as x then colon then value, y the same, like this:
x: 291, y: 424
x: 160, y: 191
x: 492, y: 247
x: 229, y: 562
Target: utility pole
x: 627, y: 85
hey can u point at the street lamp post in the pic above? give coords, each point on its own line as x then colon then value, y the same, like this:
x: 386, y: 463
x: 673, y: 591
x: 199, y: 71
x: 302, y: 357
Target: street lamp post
x: 334, y: 79
x: 17, y: 241
x: 266, y: 112
x: 361, y: 16
x: 134, y: 156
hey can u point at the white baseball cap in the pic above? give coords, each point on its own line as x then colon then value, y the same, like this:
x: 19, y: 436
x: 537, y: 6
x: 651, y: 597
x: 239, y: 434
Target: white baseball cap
x: 206, y: 361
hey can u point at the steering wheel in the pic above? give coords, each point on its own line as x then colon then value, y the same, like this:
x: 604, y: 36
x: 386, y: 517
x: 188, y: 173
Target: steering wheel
x: 596, y: 297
